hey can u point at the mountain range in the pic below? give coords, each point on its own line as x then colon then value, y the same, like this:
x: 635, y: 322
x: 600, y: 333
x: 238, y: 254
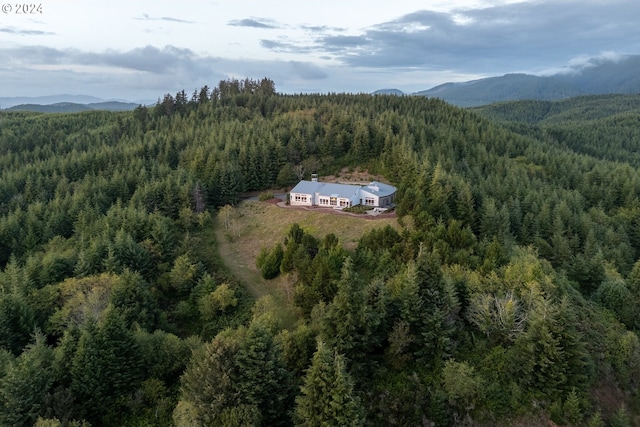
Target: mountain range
x: 67, y: 104
x: 70, y: 107
x: 597, y: 78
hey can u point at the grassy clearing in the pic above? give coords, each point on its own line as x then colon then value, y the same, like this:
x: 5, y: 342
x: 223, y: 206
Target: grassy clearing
x: 255, y: 225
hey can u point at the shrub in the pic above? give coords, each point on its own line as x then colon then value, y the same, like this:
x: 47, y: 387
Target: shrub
x: 265, y: 196
x: 359, y: 209
x: 269, y: 261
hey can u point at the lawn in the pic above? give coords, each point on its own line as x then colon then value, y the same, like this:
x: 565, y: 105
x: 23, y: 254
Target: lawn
x: 254, y: 225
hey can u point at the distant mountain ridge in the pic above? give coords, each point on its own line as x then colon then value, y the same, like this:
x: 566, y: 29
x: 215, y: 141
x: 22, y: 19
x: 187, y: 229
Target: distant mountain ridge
x: 11, y: 101
x: 59, y: 107
x: 598, y: 78
x: 388, y: 92
x: 70, y: 107
x: 67, y: 103
x: 509, y: 87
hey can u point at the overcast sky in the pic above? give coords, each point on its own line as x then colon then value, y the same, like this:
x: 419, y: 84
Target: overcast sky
x: 142, y: 49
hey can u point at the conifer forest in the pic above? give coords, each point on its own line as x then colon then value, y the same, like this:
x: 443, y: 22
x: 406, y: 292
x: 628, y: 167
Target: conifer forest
x: 507, y: 294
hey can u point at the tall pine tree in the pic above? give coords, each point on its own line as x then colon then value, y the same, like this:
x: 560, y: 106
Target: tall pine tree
x: 327, y: 397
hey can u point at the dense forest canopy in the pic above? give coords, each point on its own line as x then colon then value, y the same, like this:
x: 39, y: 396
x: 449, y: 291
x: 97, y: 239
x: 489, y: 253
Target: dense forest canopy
x: 605, y: 127
x: 509, y: 293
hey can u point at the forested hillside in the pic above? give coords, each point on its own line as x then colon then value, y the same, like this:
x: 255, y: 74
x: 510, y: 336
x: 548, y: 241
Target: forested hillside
x: 601, y: 77
x: 604, y: 126
x: 509, y: 296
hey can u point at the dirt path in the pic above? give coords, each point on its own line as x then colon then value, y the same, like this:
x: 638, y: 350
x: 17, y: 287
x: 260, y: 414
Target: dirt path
x: 237, y: 263
x: 240, y: 261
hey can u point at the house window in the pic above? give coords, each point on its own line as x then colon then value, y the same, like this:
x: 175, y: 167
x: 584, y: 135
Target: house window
x: 369, y: 201
x: 301, y: 199
x: 333, y: 201
x: 343, y: 202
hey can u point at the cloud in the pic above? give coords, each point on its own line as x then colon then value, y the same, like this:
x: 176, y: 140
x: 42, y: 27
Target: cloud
x: 181, y: 21
x: 146, y: 17
x: 277, y: 46
x: 154, y: 69
x: 321, y: 28
x: 307, y: 71
x: 510, y: 37
x: 148, y: 59
x: 585, y: 61
x: 254, y: 23
x: 582, y: 62
x: 11, y: 30
x: 287, y: 46
x: 141, y: 73
x: 344, y: 42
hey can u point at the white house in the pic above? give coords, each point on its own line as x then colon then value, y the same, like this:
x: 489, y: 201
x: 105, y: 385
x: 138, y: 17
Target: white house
x: 332, y: 195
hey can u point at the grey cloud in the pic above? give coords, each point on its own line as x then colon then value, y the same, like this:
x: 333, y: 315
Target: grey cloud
x: 320, y: 28
x: 521, y: 36
x: 34, y: 55
x: 149, y: 59
x: 182, y: 21
x: 308, y: 71
x: 146, y: 17
x: 286, y: 46
x: 325, y: 44
x: 277, y: 46
x: 254, y: 23
x: 141, y: 73
x: 11, y: 30
x: 341, y: 42
x: 583, y: 62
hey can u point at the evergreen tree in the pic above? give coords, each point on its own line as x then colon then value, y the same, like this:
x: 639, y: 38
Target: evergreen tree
x: 269, y: 262
x: 620, y: 418
x: 106, y: 367
x: 25, y: 385
x: 549, y: 355
x: 327, y: 396
x: 572, y: 408
x: 435, y: 335
x: 16, y: 322
x: 351, y: 324
x: 265, y: 383
x: 240, y: 373
x: 132, y: 298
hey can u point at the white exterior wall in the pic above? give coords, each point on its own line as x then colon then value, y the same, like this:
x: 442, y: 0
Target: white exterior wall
x: 366, y: 196
x: 325, y: 201
x: 301, y: 199
x: 344, y: 202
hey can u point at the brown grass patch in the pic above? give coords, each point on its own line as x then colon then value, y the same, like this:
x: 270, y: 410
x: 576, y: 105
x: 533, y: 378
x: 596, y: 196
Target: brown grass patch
x: 256, y: 225
x: 354, y: 176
